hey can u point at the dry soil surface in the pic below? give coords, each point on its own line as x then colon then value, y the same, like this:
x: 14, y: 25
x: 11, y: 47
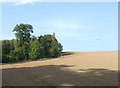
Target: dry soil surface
x: 72, y: 69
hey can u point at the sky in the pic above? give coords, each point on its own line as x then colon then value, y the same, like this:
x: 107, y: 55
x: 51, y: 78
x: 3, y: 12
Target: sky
x: 79, y: 26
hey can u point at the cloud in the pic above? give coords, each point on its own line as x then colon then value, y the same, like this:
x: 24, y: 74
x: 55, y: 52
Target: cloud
x: 21, y: 2
x: 62, y: 25
x: 64, y: 29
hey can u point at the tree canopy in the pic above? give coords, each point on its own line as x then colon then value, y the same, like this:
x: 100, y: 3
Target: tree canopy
x: 23, y: 32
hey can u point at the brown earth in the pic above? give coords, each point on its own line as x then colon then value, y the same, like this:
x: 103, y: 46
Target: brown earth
x: 72, y: 69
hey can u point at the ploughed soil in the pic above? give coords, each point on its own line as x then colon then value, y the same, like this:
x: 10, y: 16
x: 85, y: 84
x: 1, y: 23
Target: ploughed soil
x: 72, y: 69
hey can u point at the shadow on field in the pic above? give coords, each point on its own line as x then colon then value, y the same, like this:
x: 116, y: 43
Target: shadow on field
x: 66, y: 53
x: 58, y: 75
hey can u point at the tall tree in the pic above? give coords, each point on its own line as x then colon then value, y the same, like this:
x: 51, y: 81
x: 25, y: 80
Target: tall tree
x: 23, y: 32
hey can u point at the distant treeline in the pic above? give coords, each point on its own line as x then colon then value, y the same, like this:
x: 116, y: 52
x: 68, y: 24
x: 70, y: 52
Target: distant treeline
x: 27, y: 47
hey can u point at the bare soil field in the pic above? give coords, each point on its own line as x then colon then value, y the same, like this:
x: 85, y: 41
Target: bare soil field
x: 72, y: 69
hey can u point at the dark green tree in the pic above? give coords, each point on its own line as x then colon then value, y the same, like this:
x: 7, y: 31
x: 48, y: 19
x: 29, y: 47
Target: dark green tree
x: 20, y: 53
x: 52, y: 47
x: 17, y: 55
x: 22, y: 32
x: 26, y: 50
x: 5, y: 50
x: 12, y: 44
x: 6, y: 47
x: 37, y: 50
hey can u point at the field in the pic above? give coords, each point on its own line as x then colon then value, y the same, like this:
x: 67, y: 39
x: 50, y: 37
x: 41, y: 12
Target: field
x: 72, y: 69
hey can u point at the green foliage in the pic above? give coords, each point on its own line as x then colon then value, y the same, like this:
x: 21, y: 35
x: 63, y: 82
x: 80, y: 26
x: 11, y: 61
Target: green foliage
x: 20, y: 53
x: 51, y: 45
x: 5, y: 50
x: 23, y: 32
x: 26, y: 50
x: 37, y: 50
x: 6, y: 47
x: 27, y: 47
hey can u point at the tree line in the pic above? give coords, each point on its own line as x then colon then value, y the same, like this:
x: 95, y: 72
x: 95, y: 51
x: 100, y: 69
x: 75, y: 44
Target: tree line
x: 28, y: 47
